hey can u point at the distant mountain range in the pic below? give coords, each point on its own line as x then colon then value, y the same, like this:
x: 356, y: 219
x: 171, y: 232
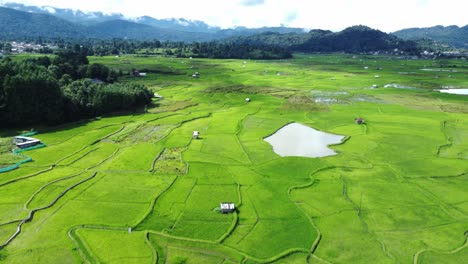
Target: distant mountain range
x: 16, y: 25
x: 18, y: 21
x: 75, y: 16
x: 92, y: 18
x: 101, y: 25
x: 451, y: 35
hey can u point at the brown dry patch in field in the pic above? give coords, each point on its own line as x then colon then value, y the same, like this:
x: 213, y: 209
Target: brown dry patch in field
x: 170, y: 162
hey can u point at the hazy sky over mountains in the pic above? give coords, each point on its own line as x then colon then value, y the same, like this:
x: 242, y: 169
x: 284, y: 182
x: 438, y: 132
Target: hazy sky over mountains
x: 386, y: 15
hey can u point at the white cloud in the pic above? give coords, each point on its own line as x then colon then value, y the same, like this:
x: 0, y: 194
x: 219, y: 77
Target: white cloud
x: 49, y: 9
x: 386, y: 15
x: 252, y: 2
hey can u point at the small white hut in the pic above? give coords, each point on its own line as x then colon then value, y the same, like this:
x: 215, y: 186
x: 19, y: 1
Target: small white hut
x: 25, y: 142
x: 195, y: 134
x: 227, y: 207
x: 247, y: 100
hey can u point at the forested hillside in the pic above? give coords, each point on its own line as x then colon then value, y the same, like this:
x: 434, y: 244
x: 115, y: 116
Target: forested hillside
x: 352, y: 39
x: 451, y: 35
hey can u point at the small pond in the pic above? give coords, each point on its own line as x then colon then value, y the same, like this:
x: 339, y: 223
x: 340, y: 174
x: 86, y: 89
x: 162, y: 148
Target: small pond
x: 299, y: 140
x: 438, y: 70
x: 455, y: 91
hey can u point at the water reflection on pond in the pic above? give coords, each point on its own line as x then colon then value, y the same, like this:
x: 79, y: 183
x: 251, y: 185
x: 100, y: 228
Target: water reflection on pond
x: 299, y: 140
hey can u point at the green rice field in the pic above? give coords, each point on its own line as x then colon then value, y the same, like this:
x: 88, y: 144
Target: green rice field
x: 137, y: 188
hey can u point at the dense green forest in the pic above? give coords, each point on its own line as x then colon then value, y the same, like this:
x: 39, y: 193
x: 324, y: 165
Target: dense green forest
x: 61, y: 89
x: 213, y: 49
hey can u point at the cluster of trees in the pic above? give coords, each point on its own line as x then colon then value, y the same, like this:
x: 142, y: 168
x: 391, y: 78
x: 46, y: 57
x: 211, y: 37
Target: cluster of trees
x: 62, y: 89
x: 85, y: 98
x: 232, y: 50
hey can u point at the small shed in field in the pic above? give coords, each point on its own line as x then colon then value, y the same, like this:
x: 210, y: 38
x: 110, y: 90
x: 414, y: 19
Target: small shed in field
x: 136, y: 73
x: 359, y: 120
x: 195, y: 134
x: 227, y: 207
x: 247, y: 100
x: 25, y: 142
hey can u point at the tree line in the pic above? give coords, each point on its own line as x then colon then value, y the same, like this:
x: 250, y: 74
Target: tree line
x: 62, y: 89
x: 214, y: 49
x: 236, y: 49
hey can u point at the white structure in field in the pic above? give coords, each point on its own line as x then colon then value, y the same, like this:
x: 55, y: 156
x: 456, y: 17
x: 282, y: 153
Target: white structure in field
x: 25, y: 142
x: 227, y: 207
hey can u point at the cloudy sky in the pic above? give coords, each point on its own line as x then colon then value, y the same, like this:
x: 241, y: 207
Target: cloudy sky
x: 386, y: 15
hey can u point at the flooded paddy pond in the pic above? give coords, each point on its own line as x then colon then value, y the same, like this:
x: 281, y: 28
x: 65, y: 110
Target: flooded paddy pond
x: 342, y: 98
x: 399, y: 86
x: 330, y: 97
x: 455, y: 91
x: 302, y: 141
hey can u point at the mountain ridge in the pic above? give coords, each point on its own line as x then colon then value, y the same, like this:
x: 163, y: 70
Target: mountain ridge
x: 452, y: 35
x: 185, y: 28
x: 14, y: 24
x: 71, y: 15
x: 32, y: 24
x: 22, y: 25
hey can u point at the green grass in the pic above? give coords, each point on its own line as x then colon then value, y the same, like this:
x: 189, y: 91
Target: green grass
x: 116, y: 246
x: 395, y: 192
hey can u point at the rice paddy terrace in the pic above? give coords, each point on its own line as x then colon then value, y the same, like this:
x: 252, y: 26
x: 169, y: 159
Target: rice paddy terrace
x: 137, y: 188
